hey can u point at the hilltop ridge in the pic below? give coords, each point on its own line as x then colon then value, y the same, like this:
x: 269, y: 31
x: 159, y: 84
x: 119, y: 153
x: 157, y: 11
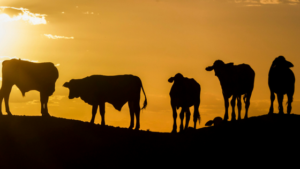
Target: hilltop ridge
x: 38, y: 142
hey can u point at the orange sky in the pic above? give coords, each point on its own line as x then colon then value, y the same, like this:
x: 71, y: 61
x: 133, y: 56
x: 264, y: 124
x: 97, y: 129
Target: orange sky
x: 152, y: 39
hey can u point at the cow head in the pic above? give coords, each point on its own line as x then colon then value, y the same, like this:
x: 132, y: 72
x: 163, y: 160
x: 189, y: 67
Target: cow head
x: 220, y: 67
x: 72, y: 87
x: 178, y: 77
x: 280, y: 62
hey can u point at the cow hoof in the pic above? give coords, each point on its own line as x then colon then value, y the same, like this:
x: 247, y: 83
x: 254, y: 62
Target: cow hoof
x: 45, y: 115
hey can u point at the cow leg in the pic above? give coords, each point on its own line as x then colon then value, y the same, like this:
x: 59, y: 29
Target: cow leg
x: 271, y: 111
x: 233, y: 108
x: 280, y: 99
x: 196, y: 114
x: 1, y: 98
x: 247, y: 104
x: 181, y: 115
x: 44, y: 101
x: 137, y: 110
x: 94, y: 111
x: 5, y: 91
x: 102, y: 113
x: 239, y: 105
x: 174, y: 118
x: 187, y: 118
x: 131, y: 111
x: 290, y: 100
x: 226, y: 100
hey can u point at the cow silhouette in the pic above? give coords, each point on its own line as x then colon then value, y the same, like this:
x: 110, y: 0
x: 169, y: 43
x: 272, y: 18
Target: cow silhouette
x: 281, y: 81
x: 217, y: 121
x: 235, y: 81
x: 116, y: 90
x: 184, y: 93
x: 28, y: 76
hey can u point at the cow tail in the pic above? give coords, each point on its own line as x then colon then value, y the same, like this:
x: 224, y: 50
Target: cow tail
x: 198, y: 117
x: 145, y: 102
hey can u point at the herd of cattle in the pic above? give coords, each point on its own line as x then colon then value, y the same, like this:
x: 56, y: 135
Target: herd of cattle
x: 235, y: 80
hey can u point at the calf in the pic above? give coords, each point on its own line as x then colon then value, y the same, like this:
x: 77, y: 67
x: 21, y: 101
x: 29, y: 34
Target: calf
x: 281, y: 81
x: 184, y: 93
x: 235, y: 80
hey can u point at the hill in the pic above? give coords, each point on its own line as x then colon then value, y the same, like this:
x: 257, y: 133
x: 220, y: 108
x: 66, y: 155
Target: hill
x: 38, y: 142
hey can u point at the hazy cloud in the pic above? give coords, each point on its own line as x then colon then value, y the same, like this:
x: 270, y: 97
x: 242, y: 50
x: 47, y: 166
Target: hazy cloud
x: 33, y: 102
x: 54, y: 100
x: 266, y: 2
x: 270, y: 1
x: 21, y: 14
x: 57, y: 37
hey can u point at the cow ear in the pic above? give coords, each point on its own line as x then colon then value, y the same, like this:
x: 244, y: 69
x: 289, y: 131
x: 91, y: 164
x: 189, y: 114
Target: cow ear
x: 67, y: 84
x: 171, y: 79
x: 209, y: 123
x: 289, y: 64
x: 209, y: 68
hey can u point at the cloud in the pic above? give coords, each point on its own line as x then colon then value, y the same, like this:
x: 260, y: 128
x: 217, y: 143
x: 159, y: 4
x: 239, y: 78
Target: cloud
x: 270, y: 1
x: 54, y: 100
x: 253, y: 5
x: 90, y: 13
x: 266, y: 2
x: 22, y: 14
x: 57, y: 37
x: 33, y: 102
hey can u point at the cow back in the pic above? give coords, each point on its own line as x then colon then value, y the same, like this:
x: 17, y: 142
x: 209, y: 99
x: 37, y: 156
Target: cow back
x: 185, y: 92
x: 239, y: 79
x: 281, y: 80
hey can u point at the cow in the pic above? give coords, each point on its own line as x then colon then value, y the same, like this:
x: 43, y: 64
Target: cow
x: 28, y: 76
x: 235, y: 80
x: 281, y: 81
x: 217, y: 121
x: 184, y: 93
x: 116, y: 90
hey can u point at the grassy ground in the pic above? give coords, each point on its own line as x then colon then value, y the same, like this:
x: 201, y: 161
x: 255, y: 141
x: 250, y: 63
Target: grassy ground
x: 38, y: 142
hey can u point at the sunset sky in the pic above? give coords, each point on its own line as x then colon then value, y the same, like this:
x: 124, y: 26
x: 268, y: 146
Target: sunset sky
x: 154, y: 40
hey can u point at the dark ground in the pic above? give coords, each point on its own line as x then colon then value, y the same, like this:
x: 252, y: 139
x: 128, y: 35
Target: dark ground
x: 38, y: 142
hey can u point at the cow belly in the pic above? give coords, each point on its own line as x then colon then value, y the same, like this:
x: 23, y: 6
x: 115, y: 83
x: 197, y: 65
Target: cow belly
x: 282, y: 82
x: 117, y: 101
